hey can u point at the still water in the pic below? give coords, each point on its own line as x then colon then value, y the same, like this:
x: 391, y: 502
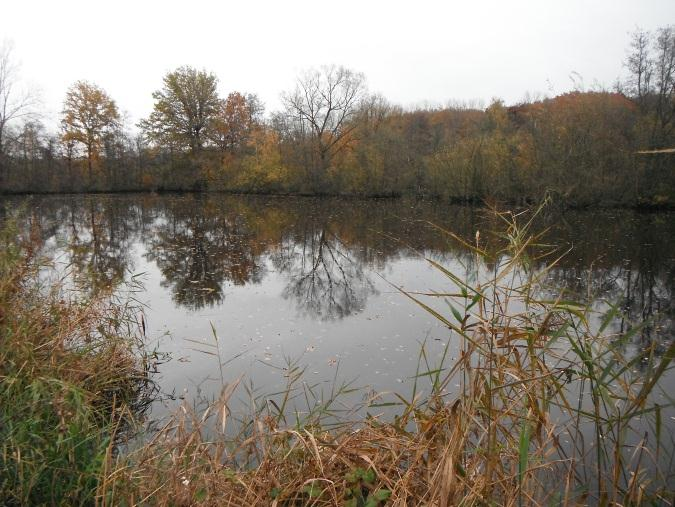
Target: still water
x: 313, y: 282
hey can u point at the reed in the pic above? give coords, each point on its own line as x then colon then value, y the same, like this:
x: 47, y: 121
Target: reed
x: 549, y: 410
x: 541, y: 406
x: 72, y: 379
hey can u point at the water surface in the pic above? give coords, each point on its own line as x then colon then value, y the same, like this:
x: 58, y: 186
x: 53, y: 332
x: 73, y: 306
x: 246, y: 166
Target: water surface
x: 313, y: 281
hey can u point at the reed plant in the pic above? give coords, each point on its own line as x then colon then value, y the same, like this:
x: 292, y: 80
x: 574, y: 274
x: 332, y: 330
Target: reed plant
x: 73, y: 378
x: 533, y: 401
x: 541, y: 406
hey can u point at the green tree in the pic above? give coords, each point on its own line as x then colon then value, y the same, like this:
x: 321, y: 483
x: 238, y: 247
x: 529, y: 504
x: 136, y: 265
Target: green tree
x: 184, y: 109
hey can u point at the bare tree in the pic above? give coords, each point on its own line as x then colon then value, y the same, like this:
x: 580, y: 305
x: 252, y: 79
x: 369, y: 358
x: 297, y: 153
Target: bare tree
x: 323, y: 103
x: 373, y: 111
x: 639, y: 65
x: 651, y: 82
x: 14, y: 103
x: 664, y: 68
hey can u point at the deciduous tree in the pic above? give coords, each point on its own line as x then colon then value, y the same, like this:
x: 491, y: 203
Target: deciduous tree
x: 184, y: 109
x: 323, y: 105
x: 89, y: 114
x: 664, y: 81
x: 235, y: 120
x: 651, y: 82
x: 15, y: 103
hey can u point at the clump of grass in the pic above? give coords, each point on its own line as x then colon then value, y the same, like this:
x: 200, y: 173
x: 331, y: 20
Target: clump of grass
x: 548, y: 411
x: 72, y: 379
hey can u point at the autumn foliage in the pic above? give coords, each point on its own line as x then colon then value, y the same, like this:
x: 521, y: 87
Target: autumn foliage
x: 334, y: 137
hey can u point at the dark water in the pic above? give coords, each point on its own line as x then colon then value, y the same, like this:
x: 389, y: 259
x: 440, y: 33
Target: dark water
x: 311, y: 281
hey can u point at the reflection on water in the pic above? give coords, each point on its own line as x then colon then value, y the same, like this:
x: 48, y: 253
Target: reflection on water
x: 323, y: 279
x: 198, y: 248
x: 97, y: 241
x: 238, y: 262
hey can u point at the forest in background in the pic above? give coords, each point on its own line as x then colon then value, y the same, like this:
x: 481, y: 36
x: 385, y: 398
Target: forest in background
x: 333, y: 137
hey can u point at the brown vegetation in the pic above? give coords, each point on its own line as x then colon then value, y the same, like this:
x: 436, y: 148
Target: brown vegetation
x: 534, y: 420
x: 333, y: 137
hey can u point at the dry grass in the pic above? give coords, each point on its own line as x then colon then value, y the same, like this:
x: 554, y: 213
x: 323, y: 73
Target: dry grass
x: 548, y: 411
x: 72, y: 379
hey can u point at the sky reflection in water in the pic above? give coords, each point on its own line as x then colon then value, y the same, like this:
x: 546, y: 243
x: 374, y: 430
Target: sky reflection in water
x: 310, y: 280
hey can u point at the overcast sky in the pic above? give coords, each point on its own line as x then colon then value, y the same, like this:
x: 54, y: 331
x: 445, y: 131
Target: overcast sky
x: 412, y: 52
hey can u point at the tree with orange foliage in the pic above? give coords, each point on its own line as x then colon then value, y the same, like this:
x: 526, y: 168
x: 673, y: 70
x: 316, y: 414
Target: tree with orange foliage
x: 234, y: 121
x: 88, y: 115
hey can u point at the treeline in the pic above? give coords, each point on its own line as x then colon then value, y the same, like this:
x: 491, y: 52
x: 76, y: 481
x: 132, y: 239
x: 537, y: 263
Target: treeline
x: 334, y: 137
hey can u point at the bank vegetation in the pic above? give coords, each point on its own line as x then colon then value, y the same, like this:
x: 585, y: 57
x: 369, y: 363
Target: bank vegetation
x: 332, y: 136
x: 544, y: 404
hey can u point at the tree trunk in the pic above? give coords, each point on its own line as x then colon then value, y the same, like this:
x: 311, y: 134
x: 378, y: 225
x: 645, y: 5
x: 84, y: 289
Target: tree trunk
x: 89, y: 166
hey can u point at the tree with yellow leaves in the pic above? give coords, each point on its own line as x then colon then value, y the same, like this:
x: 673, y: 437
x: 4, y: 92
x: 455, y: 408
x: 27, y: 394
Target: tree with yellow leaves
x: 88, y: 115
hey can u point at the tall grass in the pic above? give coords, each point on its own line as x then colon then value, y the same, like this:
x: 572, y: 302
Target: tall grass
x: 541, y: 406
x: 72, y: 379
x: 548, y: 411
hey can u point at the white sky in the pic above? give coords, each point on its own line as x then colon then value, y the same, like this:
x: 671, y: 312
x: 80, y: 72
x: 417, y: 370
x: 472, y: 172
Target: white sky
x: 412, y: 52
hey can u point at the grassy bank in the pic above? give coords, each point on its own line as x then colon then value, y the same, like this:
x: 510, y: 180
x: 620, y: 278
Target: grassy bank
x: 71, y: 381
x: 542, y: 406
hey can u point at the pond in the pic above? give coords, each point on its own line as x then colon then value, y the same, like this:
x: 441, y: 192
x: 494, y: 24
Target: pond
x: 315, y: 282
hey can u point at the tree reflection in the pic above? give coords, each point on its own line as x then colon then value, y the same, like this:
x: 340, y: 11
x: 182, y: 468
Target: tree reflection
x: 99, y: 236
x: 623, y: 259
x: 100, y: 253
x: 325, y: 248
x: 198, y: 250
x: 323, y: 278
